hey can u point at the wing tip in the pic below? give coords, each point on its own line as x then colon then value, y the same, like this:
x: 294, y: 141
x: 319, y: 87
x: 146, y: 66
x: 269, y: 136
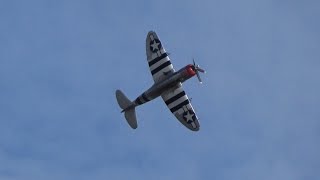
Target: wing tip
x: 152, y: 32
x: 196, y: 129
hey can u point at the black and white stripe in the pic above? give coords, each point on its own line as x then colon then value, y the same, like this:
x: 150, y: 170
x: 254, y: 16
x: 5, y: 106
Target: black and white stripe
x: 138, y: 101
x: 159, y: 63
x: 144, y: 97
x: 161, y: 67
x: 157, y: 59
x: 176, y: 100
x: 141, y: 99
x: 179, y: 106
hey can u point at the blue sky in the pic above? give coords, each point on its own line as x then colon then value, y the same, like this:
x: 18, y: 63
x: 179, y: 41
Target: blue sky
x: 61, y: 62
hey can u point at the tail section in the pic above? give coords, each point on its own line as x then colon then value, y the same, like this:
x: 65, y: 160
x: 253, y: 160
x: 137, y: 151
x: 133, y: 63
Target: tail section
x: 130, y: 116
x: 128, y: 109
x: 123, y: 101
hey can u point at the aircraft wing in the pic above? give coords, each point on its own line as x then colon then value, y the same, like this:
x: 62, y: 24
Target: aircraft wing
x: 179, y: 104
x: 158, y: 59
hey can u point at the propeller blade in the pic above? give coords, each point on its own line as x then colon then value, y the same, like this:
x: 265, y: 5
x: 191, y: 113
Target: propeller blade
x: 201, y: 70
x: 197, y: 70
x: 198, y: 75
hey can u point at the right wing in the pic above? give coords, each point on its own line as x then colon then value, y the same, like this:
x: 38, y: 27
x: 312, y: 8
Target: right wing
x: 179, y: 104
x: 158, y: 59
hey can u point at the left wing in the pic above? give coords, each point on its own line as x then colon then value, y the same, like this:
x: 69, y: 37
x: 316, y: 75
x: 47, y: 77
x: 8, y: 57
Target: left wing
x: 179, y: 104
x: 158, y: 59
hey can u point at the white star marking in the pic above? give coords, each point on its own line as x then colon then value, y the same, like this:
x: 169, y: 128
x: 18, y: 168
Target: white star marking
x: 189, y: 117
x: 155, y: 45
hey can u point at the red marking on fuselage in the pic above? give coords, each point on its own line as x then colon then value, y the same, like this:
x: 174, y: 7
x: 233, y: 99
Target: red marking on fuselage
x: 190, y: 70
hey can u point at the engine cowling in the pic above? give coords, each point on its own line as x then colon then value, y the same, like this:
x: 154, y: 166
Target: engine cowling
x: 190, y: 70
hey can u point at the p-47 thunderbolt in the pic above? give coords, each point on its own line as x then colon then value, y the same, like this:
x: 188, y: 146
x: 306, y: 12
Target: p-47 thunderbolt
x: 167, y: 84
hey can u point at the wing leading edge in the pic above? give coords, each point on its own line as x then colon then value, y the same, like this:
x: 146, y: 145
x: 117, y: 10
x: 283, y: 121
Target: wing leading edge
x: 179, y: 104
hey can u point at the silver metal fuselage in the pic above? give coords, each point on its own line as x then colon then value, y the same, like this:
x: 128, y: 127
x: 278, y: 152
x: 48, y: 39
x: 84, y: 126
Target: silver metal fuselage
x: 172, y: 80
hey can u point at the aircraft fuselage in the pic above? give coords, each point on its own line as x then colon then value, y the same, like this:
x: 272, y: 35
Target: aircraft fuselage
x: 171, y: 81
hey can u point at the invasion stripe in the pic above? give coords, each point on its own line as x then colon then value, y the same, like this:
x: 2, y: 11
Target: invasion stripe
x: 174, y: 109
x: 175, y: 92
x: 157, y: 59
x: 167, y: 63
x: 144, y: 98
x: 138, y: 101
x: 174, y: 98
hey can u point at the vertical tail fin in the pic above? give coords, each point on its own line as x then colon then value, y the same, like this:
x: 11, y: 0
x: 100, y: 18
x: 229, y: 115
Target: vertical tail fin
x: 128, y: 109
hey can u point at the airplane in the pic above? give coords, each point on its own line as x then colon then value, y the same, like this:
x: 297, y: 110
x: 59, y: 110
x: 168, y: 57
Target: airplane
x: 167, y: 84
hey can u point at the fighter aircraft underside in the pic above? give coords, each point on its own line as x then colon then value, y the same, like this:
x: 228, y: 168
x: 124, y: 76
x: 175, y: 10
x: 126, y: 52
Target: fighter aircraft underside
x: 167, y: 84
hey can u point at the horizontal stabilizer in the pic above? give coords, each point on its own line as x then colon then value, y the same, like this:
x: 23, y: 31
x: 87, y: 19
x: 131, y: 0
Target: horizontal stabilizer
x: 123, y: 101
x: 130, y: 115
x: 128, y: 108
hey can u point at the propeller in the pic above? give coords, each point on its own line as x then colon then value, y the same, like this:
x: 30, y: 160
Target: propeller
x: 197, y: 70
